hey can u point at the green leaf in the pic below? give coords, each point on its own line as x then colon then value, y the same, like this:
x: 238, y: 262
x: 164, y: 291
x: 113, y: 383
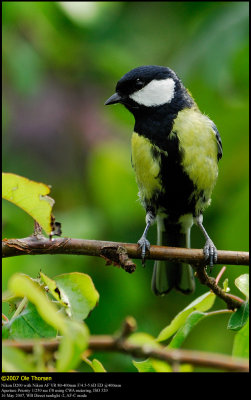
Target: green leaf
x: 242, y: 283
x: 202, y: 303
x: 152, y: 365
x: 94, y: 364
x: 72, y: 345
x: 8, y: 297
x: 22, y: 285
x: 97, y: 366
x: 54, y: 290
x: 225, y: 286
x: 144, y: 366
x: 184, y: 331
x: 14, y: 360
x: 160, y: 366
x: 241, y: 342
x: 28, y: 324
x: 5, y: 331
x: 239, y: 318
x: 75, y: 334
x: 141, y: 338
x: 186, y: 368
x: 78, y: 290
x: 31, y: 197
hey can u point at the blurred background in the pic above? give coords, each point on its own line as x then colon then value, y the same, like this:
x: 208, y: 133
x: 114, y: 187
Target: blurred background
x: 61, y: 61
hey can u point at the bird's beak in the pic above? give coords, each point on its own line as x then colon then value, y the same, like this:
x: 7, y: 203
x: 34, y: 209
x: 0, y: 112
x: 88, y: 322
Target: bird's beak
x: 115, y: 98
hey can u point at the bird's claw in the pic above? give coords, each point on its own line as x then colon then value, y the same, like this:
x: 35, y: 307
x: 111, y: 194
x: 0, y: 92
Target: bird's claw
x: 144, y: 244
x: 210, y: 252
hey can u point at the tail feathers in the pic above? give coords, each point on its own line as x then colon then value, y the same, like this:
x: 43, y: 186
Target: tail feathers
x: 168, y: 275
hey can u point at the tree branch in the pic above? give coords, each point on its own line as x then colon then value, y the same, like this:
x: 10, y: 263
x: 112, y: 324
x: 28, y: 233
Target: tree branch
x: 114, y: 252
x: 111, y: 343
x: 120, y: 253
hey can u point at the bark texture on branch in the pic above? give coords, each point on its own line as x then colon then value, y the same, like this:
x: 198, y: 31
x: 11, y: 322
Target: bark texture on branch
x: 114, y: 251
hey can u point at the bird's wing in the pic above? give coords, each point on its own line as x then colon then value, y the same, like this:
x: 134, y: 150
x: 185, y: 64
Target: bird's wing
x: 219, y: 142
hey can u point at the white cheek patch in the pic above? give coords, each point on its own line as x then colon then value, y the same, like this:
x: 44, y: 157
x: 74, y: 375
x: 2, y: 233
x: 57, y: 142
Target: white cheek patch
x: 156, y: 93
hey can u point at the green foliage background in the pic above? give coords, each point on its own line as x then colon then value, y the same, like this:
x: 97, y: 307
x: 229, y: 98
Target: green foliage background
x: 59, y: 66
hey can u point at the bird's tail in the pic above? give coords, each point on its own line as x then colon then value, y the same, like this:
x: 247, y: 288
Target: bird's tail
x: 166, y: 274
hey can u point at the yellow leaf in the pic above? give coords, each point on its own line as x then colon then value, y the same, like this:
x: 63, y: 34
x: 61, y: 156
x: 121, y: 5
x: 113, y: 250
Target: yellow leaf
x: 31, y: 197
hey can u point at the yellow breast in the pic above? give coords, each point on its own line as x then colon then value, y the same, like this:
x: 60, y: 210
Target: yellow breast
x: 146, y: 167
x: 199, y: 148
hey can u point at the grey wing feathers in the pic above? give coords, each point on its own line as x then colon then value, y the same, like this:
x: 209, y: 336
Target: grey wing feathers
x: 219, y: 142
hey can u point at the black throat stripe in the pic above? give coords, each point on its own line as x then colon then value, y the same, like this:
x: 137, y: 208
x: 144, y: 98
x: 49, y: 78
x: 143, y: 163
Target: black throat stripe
x: 156, y: 123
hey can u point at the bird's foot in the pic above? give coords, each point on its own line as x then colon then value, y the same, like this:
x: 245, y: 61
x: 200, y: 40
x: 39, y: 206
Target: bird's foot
x: 210, y: 252
x: 144, y: 244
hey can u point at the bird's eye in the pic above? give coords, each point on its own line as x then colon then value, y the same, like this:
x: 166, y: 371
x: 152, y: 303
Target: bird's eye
x: 139, y: 83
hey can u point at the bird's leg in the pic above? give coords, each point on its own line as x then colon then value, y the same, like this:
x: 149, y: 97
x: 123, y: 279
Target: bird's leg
x: 143, y: 243
x: 210, y: 251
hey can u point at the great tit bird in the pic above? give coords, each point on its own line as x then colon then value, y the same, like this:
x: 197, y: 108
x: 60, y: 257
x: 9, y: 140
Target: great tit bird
x: 175, y: 154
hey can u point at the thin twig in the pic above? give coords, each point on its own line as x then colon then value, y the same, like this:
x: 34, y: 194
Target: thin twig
x: 218, y: 277
x: 232, y: 303
x: 218, y: 312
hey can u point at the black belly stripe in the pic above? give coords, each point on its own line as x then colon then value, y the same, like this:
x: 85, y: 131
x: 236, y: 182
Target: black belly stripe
x: 175, y: 198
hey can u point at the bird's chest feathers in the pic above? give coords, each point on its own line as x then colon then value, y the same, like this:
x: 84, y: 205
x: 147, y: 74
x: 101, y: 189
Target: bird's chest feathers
x: 198, y: 146
x: 146, y: 163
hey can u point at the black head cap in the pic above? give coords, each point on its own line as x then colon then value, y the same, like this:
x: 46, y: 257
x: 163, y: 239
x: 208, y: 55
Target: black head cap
x: 129, y: 89
x: 139, y: 77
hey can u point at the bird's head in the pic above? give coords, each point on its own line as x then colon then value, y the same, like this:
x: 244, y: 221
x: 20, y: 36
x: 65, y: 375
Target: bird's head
x: 148, y: 87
